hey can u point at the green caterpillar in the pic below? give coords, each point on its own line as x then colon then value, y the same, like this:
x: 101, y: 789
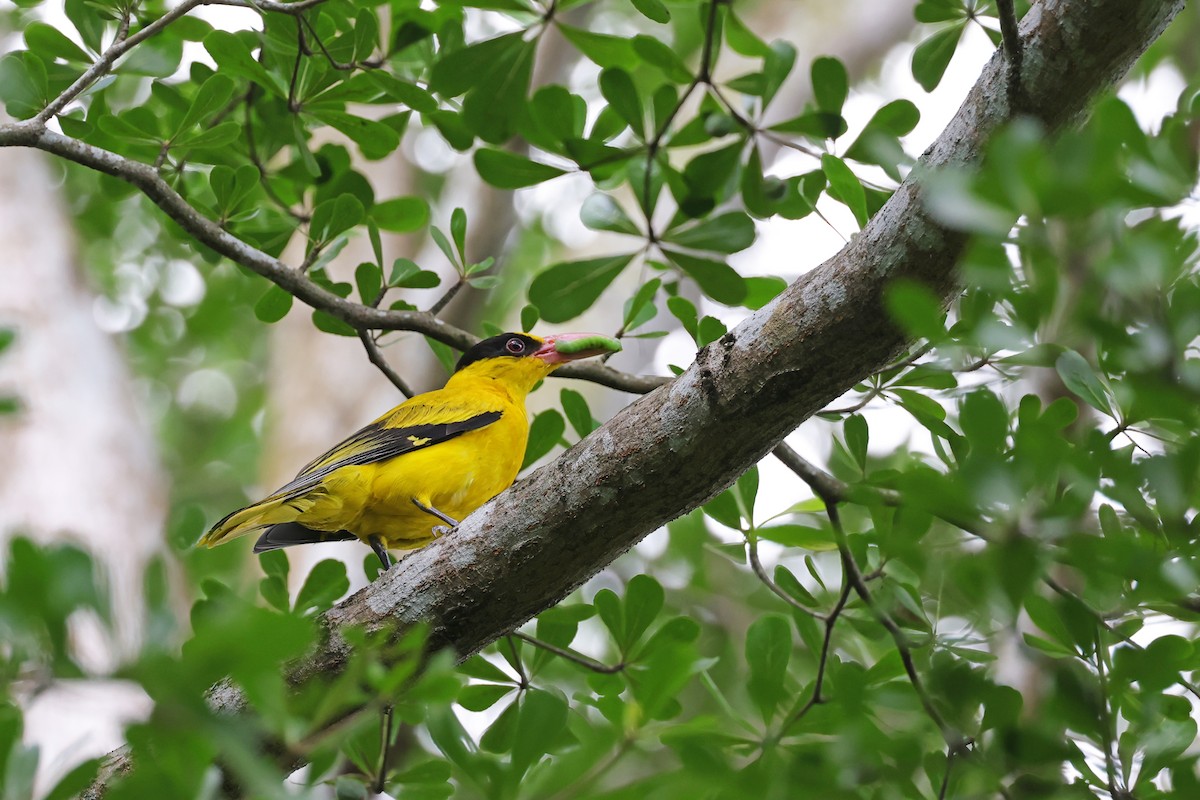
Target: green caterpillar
x: 606, y: 343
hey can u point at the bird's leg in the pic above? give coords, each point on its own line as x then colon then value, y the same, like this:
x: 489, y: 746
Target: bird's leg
x: 377, y: 545
x: 446, y: 518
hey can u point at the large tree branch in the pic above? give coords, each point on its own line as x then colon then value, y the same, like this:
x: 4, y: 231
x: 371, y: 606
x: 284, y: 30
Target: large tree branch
x: 681, y: 444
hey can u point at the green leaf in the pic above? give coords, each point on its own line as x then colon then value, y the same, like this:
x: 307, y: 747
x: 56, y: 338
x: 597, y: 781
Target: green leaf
x: 617, y: 88
x: 529, y: 317
x: 1078, y: 376
x: 331, y: 324
x: 932, y: 56
x: 831, y: 84
x: 411, y: 95
x: 845, y: 183
x: 684, y: 311
x: 726, y: 233
x: 542, y: 719
x: 273, y: 305
x: 815, y: 124
x: 401, y: 214
x: 743, y: 40
x: 24, y: 86
x: 323, y: 586
x: 50, y: 43
x: 545, y: 432
x: 768, y: 650
x: 793, y: 535
x: 482, y: 696
x: 578, y: 414
x: 458, y: 232
x: 375, y: 139
x: 211, y: 97
x: 335, y: 216
x: 601, y: 212
x: 233, y: 56
x: 501, y: 734
x: 724, y: 509
x: 653, y: 10
x: 217, y: 136
x: 462, y: 70
x: 601, y: 48
x: 644, y: 599
x: 566, y: 290
x: 762, y: 289
x: 608, y: 607
x: 506, y: 170
x: 640, y: 309
x: 708, y: 330
x: 659, y: 54
x: 368, y: 278
x: 716, y: 279
x: 407, y: 275
x: 856, y: 433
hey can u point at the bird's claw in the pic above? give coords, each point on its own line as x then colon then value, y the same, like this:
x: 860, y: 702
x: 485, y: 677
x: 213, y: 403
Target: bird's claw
x: 441, y: 530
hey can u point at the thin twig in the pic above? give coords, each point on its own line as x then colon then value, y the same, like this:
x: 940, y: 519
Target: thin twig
x: 516, y: 661
x: 445, y: 299
x: 817, y: 697
x: 121, y: 45
x: 333, y: 62
x: 252, y: 151
x: 756, y: 565
x: 570, y: 655
x: 376, y: 357
x: 953, y: 738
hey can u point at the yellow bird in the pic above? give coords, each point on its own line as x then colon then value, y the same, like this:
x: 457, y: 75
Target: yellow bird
x: 410, y: 475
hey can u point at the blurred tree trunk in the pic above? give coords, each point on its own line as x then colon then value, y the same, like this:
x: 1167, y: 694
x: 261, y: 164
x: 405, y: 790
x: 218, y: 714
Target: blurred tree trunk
x: 77, y: 462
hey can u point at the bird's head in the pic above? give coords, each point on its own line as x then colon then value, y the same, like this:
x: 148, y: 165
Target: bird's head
x: 520, y: 360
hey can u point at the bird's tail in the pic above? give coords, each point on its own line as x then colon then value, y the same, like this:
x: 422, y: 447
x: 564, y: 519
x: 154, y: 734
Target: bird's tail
x: 271, y: 511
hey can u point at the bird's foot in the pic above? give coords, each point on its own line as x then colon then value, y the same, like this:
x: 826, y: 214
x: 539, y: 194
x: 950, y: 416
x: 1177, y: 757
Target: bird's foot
x: 441, y: 530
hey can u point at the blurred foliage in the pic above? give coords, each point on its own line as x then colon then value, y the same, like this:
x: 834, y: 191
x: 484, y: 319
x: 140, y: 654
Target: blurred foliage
x: 1028, y: 558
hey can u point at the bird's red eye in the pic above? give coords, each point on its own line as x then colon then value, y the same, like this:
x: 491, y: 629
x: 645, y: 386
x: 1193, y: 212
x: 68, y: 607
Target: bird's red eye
x: 514, y: 346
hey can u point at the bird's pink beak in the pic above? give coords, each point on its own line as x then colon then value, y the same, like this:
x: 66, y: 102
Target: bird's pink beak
x: 549, y: 353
